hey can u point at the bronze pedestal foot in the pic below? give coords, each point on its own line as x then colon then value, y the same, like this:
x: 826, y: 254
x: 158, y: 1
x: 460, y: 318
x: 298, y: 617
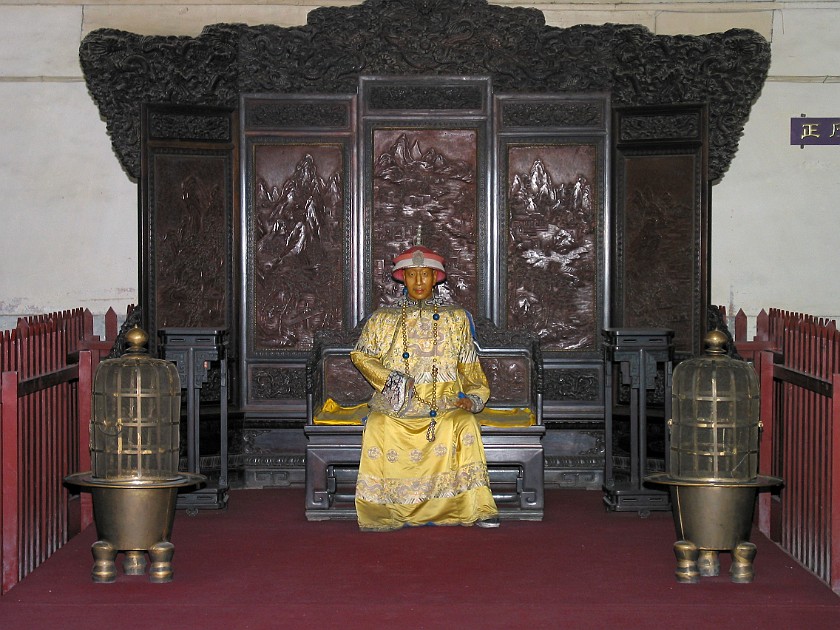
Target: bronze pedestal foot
x: 134, y: 562
x: 708, y: 563
x: 161, y: 554
x: 104, y: 567
x: 687, y: 554
x: 742, y: 570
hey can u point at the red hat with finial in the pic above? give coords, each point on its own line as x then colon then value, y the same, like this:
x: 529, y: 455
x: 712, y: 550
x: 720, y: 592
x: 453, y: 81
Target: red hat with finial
x: 418, y: 256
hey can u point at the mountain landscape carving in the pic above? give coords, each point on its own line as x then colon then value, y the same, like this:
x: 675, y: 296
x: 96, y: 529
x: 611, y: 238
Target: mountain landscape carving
x: 297, y: 254
x: 552, y: 254
x: 416, y: 186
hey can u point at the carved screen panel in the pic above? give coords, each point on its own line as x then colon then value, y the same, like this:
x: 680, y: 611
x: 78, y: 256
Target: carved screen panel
x: 298, y: 155
x: 298, y: 160
x: 425, y: 179
x: 189, y: 247
x: 553, y: 202
x: 661, y: 222
x: 296, y: 239
x: 189, y: 207
x: 552, y: 155
x: 424, y: 166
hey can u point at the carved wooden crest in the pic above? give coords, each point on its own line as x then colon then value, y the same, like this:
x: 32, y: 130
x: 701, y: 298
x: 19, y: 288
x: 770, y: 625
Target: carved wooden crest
x: 425, y: 37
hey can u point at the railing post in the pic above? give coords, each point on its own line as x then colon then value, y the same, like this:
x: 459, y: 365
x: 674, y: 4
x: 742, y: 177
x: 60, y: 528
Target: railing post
x: 762, y: 326
x: 85, y: 394
x: 834, y: 526
x: 764, y: 367
x: 9, y: 507
x: 111, y: 326
x: 740, y: 326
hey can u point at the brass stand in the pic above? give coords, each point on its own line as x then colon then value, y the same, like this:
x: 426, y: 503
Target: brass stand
x: 711, y: 517
x: 133, y: 518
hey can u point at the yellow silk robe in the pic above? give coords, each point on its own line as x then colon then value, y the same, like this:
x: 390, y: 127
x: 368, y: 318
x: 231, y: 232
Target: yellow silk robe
x: 404, y: 479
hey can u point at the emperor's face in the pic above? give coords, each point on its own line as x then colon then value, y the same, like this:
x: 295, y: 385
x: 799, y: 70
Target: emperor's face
x: 419, y: 281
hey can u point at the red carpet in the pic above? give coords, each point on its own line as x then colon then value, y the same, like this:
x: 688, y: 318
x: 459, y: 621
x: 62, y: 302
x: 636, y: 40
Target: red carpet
x: 260, y: 564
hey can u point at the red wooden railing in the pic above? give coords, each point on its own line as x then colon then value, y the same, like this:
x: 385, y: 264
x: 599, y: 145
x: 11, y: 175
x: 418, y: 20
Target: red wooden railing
x: 797, y: 357
x: 46, y: 368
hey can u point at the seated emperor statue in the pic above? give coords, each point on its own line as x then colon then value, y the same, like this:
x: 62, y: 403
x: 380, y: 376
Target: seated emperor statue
x: 422, y: 458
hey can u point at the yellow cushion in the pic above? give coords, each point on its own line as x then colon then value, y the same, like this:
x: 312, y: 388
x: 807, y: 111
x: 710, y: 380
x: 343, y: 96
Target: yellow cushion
x: 331, y: 413
x: 514, y: 417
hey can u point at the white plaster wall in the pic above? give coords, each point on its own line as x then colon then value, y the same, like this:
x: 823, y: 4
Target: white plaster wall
x: 775, y: 229
x: 69, y: 227
x: 64, y: 197
x: 775, y: 236
x: 69, y: 212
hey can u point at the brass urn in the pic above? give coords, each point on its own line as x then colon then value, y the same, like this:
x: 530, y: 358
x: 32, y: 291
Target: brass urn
x: 134, y: 447
x: 712, y: 472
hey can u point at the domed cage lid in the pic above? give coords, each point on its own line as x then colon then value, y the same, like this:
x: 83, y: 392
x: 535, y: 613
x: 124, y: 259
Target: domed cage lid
x: 135, y: 425
x: 715, y: 417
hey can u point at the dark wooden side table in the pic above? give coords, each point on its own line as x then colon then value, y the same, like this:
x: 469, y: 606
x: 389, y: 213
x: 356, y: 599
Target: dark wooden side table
x: 192, y: 350
x: 633, y: 356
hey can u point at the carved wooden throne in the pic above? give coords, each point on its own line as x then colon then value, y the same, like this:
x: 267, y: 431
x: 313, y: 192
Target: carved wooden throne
x: 511, y: 424
x: 574, y: 165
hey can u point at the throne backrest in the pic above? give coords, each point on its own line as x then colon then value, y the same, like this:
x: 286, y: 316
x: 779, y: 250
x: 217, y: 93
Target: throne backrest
x: 510, y: 359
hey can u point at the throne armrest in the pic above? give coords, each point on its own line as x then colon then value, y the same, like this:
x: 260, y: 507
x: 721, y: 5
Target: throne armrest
x: 512, y: 360
x: 331, y: 376
x: 337, y: 393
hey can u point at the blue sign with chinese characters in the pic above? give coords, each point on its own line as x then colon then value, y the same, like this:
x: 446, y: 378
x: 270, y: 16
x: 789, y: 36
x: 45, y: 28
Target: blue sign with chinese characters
x: 814, y: 131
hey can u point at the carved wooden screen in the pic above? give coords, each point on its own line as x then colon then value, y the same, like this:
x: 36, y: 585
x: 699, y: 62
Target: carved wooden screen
x: 661, y: 221
x: 189, y: 208
x: 514, y: 268
x: 425, y: 165
x: 298, y: 155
